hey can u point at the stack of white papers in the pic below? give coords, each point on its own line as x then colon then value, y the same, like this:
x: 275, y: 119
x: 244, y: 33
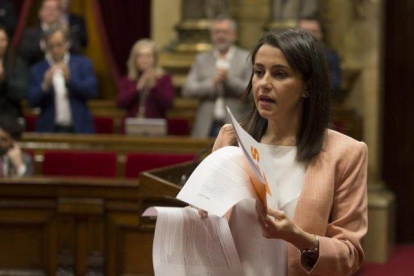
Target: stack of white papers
x: 185, y: 244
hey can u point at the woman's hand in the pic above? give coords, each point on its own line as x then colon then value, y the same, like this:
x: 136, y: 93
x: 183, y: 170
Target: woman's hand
x: 15, y: 155
x: 147, y: 80
x: 203, y: 214
x: 277, y: 225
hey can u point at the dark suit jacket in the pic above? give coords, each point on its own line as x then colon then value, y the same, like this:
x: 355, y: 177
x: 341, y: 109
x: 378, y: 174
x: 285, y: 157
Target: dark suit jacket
x: 335, y: 70
x: 77, y: 29
x: 82, y: 87
x: 30, y: 49
x: 8, y: 16
x: 13, y: 88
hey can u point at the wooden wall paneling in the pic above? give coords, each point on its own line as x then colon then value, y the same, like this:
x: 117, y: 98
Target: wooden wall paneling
x: 26, y: 243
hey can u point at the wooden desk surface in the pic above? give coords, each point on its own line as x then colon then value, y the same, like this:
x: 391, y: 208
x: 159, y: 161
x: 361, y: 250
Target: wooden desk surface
x: 113, y: 142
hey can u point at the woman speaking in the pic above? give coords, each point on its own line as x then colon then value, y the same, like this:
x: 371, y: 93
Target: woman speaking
x: 323, y: 215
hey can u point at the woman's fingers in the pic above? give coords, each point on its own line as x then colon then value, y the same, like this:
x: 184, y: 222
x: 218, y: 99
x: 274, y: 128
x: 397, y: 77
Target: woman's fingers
x: 261, y: 217
x: 277, y: 214
x: 203, y: 214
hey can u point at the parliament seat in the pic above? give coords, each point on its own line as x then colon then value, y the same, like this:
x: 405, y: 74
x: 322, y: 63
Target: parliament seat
x: 178, y: 126
x: 104, y: 125
x: 138, y: 162
x: 30, y: 122
x: 80, y: 163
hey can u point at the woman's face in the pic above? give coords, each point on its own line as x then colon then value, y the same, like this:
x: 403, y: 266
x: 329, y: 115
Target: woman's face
x: 278, y: 90
x: 145, y: 58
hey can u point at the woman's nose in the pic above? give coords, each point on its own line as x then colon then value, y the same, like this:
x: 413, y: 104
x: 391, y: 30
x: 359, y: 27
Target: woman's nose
x: 264, y: 83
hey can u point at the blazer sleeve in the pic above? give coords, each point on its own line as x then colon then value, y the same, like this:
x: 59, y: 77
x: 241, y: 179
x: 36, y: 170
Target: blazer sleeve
x: 164, y: 92
x: 28, y: 161
x: 36, y: 97
x: 340, y: 251
x: 127, y: 95
x: 82, y: 83
x: 196, y: 88
x: 17, y: 80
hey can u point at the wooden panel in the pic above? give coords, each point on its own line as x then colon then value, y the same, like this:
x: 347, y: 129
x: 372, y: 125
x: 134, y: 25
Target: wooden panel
x: 22, y: 246
x: 136, y: 259
x: 26, y: 236
x: 80, y: 225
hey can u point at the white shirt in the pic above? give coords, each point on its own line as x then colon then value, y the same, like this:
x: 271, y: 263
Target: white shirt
x: 222, y: 63
x: 258, y: 255
x: 63, y: 114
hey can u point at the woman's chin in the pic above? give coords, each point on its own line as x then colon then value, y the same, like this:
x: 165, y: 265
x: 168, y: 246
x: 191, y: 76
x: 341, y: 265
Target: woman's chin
x: 266, y: 114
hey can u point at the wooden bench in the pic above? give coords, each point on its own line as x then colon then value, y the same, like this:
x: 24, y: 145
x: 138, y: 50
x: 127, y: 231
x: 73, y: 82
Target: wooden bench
x: 39, y: 143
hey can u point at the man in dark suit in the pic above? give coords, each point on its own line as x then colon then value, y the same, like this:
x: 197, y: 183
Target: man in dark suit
x: 13, y: 78
x: 13, y: 161
x: 61, y: 85
x: 315, y: 26
x: 8, y: 16
x: 31, y: 47
x: 75, y: 22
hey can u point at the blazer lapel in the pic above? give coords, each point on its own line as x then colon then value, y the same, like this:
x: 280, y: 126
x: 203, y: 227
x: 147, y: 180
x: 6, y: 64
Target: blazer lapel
x: 314, y: 203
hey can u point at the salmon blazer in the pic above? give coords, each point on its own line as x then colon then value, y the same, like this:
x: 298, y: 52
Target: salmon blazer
x: 332, y: 204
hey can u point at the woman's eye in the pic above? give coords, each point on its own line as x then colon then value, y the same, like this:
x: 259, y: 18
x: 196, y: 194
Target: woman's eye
x: 258, y: 73
x: 281, y: 74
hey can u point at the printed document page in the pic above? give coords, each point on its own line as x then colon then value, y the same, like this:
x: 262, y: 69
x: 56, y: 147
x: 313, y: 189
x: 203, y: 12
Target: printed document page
x: 185, y: 244
x: 262, y: 164
x: 219, y: 182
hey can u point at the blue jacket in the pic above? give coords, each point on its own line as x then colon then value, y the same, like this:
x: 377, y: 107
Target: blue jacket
x: 82, y: 87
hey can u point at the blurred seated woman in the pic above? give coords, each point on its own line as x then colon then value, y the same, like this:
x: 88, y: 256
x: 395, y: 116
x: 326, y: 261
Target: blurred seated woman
x: 147, y: 91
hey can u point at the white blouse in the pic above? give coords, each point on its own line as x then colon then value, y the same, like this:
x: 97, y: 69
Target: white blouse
x: 258, y: 255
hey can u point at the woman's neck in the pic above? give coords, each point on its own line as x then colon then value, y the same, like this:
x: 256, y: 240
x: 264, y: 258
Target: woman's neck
x: 282, y: 131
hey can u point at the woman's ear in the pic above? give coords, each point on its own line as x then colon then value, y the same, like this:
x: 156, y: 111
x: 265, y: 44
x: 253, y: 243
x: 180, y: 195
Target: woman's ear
x: 305, y: 93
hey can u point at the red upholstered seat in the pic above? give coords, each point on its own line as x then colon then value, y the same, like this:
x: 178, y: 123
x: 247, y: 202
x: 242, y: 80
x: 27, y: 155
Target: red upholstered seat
x: 139, y: 162
x: 178, y: 126
x: 80, y: 163
x: 104, y: 125
x: 30, y: 122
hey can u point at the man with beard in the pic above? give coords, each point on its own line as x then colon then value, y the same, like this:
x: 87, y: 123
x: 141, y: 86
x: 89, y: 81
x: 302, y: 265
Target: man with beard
x: 13, y: 161
x: 218, y: 78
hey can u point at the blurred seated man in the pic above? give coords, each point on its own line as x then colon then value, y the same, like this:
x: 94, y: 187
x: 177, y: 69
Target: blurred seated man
x: 13, y: 161
x: 60, y: 86
x: 75, y: 23
x: 314, y: 26
x: 147, y: 90
x: 31, y: 47
x: 218, y: 78
x: 13, y: 79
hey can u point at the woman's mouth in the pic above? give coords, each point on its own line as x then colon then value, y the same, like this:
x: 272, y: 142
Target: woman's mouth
x: 266, y: 99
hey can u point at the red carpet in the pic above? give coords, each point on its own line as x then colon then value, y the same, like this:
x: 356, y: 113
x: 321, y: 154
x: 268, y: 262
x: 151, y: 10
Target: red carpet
x: 400, y: 264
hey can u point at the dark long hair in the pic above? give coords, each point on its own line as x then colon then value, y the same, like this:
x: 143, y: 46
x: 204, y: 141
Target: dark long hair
x: 304, y: 55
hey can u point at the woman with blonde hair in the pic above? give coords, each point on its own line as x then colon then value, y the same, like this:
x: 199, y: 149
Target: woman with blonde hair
x: 147, y: 90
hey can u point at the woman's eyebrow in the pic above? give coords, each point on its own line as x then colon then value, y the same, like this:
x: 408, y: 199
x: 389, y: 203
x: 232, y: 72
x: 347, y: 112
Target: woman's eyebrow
x: 273, y: 66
